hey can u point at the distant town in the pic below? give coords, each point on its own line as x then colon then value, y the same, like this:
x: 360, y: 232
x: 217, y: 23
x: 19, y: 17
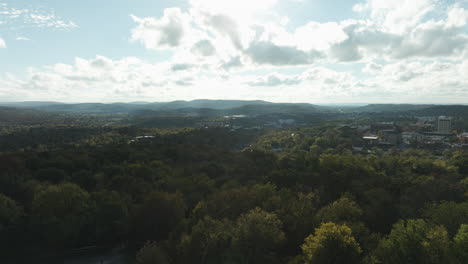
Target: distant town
x: 434, y: 133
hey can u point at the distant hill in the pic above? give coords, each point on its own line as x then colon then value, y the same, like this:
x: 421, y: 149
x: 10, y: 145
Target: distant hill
x: 92, y: 108
x: 213, y: 104
x: 188, y: 111
x: 228, y: 106
x: 14, y: 116
x: 276, y: 108
x: 251, y: 110
x: 382, y: 108
x: 29, y: 104
x: 442, y: 110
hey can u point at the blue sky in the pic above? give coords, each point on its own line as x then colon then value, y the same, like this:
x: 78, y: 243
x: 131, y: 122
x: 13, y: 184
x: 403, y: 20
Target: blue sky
x: 102, y: 28
x: 316, y: 51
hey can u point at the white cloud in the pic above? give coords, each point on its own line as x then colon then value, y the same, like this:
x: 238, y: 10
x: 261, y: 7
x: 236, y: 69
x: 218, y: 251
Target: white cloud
x: 226, y: 27
x: 241, y: 10
x: 405, y: 81
x: 431, y: 39
x: 51, y: 21
x: 167, y: 32
x: 182, y: 67
x: 16, y: 18
x: 319, y: 36
x: 2, y: 43
x: 204, y: 48
x: 127, y: 79
x: 457, y: 17
x: 316, y: 84
x: 446, y: 37
x: 21, y: 38
x: 275, y: 79
x: 372, y: 68
x: 395, y: 30
x: 437, y: 80
x: 130, y: 79
x: 269, y: 53
x: 99, y: 79
x: 232, y: 63
x: 397, y: 16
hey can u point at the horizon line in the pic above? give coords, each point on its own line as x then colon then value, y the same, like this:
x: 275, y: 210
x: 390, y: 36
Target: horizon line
x: 241, y: 100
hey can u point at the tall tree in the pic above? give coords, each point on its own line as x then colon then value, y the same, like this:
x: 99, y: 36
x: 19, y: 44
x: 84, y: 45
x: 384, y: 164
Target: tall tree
x: 414, y: 241
x: 61, y: 213
x: 331, y: 244
x: 256, y: 235
x: 157, y: 216
x: 461, y: 244
x: 208, y: 242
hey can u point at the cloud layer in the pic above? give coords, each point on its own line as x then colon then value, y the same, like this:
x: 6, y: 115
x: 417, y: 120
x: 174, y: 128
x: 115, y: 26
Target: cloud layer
x: 393, y: 30
x: 397, y: 51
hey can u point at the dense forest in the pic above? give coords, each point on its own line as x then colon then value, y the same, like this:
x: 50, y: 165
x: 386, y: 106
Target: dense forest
x: 190, y: 195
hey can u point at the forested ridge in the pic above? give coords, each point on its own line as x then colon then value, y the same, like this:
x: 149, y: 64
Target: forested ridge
x: 222, y: 196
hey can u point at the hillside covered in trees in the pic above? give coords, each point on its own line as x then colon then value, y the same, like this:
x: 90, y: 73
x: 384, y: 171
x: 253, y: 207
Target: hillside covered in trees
x: 222, y: 196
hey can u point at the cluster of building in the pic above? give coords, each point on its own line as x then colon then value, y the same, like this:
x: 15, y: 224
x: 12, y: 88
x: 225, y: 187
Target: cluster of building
x: 236, y: 122
x: 427, y: 132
